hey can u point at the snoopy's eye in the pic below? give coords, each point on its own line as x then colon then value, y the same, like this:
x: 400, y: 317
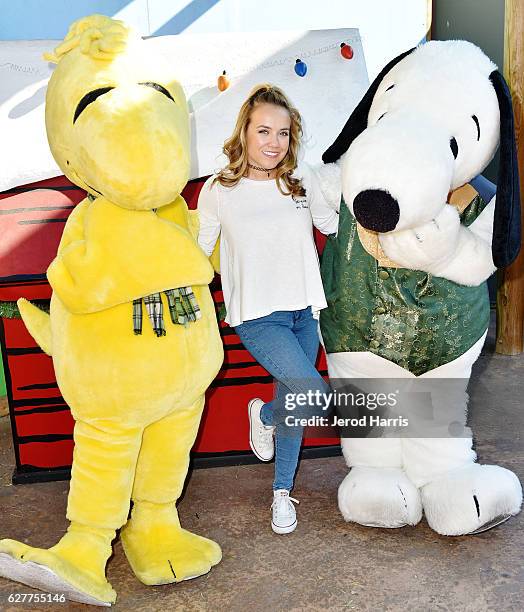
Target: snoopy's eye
x: 390, y: 87
x: 88, y: 99
x: 454, y: 147
x: 383, y: 115
x: 159, y: 88
x: 475, y: 119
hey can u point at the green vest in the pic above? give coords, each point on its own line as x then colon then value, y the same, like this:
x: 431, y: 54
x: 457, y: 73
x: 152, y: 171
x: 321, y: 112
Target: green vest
x: 409, y: 317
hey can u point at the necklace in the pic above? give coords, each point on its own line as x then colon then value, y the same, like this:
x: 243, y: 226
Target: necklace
x: 268, y: 170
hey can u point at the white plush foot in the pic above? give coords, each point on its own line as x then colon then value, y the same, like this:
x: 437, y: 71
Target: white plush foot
x: 379, y: 497
x: 471, y: 499
x: 41, y: 577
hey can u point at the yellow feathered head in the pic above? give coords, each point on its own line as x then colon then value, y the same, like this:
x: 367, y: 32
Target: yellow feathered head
x: 116, y: 118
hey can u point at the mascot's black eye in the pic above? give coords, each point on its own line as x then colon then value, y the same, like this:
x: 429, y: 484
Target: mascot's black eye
x: 381, y: 117
x: 475, y: 119
x: 88, y: 99
x: 159, y: 88
x: 390, y: 87
x: 454, y: 147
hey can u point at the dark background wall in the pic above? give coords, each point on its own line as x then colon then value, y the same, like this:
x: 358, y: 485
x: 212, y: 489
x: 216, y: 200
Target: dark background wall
x: 479, y: 21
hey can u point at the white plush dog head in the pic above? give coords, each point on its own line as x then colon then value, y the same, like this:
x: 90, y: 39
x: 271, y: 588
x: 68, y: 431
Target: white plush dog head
x: 429, y: 123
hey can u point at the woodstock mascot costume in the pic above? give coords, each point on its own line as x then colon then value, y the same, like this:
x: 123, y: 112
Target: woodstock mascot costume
x: 405, y: 278
x: 135, y: 379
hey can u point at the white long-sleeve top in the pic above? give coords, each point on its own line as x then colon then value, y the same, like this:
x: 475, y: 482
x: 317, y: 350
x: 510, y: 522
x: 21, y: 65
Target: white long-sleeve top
x: 268, y: 257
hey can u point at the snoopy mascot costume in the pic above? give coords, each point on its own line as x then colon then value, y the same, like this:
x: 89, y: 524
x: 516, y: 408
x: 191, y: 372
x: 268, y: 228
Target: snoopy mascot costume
x: 405, y: 277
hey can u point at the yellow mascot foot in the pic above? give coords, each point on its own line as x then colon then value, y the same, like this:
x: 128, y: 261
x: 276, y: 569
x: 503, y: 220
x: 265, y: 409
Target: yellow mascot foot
x: 160, y: 551
x: 74, y: 567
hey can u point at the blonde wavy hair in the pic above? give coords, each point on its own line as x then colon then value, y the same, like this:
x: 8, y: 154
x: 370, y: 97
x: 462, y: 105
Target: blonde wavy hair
x: 235, y: 147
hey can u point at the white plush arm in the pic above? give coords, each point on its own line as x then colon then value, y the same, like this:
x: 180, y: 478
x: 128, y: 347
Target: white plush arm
x: 330, y: 183
x: 483, y: 225
x: 446, y: 248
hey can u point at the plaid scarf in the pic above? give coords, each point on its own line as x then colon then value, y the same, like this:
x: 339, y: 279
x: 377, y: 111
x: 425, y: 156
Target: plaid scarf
x: 183, y: 309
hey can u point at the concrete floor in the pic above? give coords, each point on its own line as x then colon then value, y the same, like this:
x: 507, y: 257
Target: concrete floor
x: 326, y: 564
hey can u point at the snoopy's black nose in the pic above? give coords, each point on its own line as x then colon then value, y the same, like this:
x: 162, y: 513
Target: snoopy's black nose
x: 376, y: 210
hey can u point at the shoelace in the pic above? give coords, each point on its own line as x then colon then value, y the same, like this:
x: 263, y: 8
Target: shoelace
x: 281, y: 498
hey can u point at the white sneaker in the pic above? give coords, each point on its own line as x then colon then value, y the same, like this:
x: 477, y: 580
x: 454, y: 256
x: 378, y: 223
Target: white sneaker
x: 260, y: 435
x: 284, y: 515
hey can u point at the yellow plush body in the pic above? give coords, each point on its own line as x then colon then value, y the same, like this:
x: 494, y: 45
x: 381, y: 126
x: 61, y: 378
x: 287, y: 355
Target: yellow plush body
x: 136, y: 399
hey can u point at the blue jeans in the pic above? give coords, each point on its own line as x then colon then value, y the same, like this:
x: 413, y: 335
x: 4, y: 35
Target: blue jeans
x: 286, y: 344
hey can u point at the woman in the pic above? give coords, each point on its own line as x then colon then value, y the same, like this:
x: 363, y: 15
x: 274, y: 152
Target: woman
x: 270, y: 273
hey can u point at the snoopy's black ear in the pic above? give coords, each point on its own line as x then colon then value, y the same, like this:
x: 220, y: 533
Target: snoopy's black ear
x: 358, y: 119
x: 506, y: 225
